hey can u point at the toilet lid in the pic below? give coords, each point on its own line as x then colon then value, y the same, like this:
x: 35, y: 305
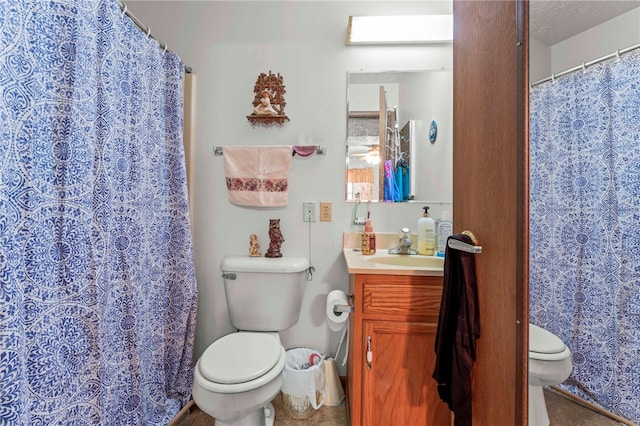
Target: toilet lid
x: 544, y: 342
x: 239, y: 357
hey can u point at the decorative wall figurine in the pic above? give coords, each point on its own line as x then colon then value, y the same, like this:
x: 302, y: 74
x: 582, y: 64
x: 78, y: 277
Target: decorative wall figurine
x: 268, y: 103
x: 264, y: 107
x: 276, y: 239
x: 254, y: 246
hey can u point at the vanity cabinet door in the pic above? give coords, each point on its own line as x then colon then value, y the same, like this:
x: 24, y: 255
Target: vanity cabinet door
x: 398, y: 315
x: 397, y: 387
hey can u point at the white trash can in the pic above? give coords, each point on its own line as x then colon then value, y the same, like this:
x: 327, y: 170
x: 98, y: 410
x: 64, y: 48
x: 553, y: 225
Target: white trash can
x: 303, y: 387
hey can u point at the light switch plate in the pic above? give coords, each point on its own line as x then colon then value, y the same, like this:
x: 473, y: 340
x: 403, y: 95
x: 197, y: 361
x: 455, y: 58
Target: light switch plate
x: 309, y: 211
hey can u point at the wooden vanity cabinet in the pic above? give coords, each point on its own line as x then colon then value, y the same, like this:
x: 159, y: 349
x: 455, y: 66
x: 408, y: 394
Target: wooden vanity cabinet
x: 396, y: 316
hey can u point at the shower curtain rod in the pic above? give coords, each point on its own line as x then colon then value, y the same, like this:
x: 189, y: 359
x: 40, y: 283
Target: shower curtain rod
x: 146, y: 29
x: 584, y: 65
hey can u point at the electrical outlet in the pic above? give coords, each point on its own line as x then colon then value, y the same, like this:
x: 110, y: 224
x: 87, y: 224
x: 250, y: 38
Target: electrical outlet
x: 309, y: 211
x: 325, y: 211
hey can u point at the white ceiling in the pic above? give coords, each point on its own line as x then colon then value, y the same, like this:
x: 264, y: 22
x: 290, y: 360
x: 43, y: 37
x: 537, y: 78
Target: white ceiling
x: 552, y: 21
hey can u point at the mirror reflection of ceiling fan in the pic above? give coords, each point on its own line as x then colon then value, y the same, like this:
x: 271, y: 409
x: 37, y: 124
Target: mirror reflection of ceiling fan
x: 371, y: 153
x: 364, y: 146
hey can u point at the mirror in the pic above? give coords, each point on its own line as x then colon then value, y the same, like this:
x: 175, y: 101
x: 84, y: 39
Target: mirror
x: 399, y: 136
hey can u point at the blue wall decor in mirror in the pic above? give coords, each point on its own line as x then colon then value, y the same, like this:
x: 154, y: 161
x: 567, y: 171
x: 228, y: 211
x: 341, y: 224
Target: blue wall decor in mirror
x: 433, y: 131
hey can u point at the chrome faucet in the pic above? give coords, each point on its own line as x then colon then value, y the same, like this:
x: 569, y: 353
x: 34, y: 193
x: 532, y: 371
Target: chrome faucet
x: 404, y: 245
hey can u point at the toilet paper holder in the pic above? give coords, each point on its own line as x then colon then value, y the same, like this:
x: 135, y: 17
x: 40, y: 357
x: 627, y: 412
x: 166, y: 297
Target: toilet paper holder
x: 339, y: 309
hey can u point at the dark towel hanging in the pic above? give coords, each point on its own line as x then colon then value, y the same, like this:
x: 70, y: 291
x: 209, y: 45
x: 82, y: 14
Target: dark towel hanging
x: 458, y: 329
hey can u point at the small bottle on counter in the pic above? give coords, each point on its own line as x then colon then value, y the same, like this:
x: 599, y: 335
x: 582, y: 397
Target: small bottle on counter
x: 368, y: 239
x: 445, y: 229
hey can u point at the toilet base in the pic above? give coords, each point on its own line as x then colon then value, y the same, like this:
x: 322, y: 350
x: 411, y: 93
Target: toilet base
x: 264, y: 416
x: 538, y: 415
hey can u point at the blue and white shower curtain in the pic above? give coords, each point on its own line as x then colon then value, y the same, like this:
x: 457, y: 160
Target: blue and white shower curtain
x: 97, y: 284
x: 585, y: 227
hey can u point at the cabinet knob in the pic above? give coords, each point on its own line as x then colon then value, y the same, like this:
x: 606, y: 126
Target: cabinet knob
x: 369, y: 353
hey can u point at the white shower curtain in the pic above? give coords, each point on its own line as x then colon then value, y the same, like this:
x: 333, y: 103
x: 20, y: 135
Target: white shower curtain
x: 585, y: 226
x: 97, y: 285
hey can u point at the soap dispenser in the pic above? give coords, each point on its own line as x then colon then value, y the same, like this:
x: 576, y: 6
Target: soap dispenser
x: 426, y: 234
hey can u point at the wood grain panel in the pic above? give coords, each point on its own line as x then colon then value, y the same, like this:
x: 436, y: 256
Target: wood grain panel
x: 404, y: 392
x: 356, y: 354
x: 490, y: 194
x: 408, y: 396
x: 418, y: 300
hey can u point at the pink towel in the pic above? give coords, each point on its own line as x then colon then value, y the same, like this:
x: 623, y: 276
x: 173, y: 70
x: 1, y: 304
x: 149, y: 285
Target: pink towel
x: 257, y: 175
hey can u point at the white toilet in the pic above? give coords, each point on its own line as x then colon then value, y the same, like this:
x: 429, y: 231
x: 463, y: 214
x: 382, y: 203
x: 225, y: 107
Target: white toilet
x: 238, y: 375
x: 549, y: 364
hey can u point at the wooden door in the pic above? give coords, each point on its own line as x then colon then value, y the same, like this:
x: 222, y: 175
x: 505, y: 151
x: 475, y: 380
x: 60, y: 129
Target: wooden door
x: 398, y: 388
x: 490, y: 194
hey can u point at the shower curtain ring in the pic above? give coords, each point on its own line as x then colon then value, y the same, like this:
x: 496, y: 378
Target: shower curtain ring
x: 165, y: 49
x: 148, y: 31
x: 124, y: 9
x: 584, y: 68
x: 618, y: 54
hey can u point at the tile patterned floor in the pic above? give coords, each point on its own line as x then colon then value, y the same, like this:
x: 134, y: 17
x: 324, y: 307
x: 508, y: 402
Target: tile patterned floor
x: 562, y: 412
x: 565, y: 412
x: 325, y: 416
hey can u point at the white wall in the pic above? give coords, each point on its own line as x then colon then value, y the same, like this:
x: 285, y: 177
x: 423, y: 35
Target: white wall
x: 617, y: 33
x: 539, y: 60
x: 366, y: 97
x: 228, y: 44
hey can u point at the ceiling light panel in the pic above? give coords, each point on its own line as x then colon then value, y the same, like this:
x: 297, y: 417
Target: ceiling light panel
x: 408, y: 29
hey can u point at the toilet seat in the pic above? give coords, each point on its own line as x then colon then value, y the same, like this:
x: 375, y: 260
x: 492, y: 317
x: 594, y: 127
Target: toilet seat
x: 239, y: 362
x: 546, y: 346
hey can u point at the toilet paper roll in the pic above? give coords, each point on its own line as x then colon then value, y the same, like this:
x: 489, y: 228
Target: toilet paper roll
x: 336, y: 321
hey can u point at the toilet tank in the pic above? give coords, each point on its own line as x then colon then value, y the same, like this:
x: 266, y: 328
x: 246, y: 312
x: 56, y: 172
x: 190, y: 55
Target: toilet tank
x: 264, y: 294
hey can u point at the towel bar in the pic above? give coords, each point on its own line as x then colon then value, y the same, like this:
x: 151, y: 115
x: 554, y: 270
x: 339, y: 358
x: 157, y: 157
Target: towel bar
x: 462, y: 246
x: 218, y: 150
x: 459, y: 245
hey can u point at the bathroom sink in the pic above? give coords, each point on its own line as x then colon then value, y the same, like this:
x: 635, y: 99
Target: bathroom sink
x: 383, y: 263
x: 411, y: 261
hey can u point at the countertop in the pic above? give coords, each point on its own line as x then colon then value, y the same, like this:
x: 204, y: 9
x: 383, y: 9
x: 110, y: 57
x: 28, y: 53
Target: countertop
x: 357, y: 263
